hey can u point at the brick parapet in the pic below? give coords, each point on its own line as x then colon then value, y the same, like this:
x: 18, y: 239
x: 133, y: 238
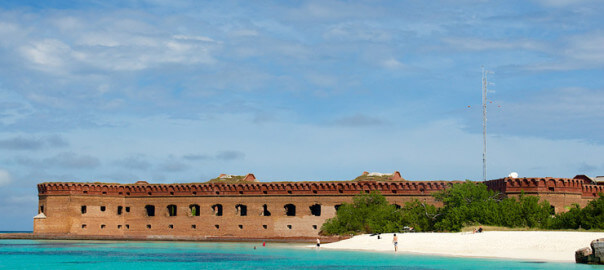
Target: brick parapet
x: 544, y: 185
x: 259, y: 188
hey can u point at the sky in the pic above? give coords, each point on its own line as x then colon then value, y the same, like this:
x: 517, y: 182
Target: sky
x: 181, y: 91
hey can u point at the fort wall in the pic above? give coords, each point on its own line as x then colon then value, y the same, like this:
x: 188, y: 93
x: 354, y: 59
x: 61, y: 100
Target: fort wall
x: 248, y: 209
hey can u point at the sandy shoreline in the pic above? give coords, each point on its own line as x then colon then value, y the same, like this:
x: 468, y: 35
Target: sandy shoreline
x: 522, y: 245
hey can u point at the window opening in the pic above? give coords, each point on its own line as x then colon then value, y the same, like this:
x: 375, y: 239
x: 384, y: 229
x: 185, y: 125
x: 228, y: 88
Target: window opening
x: 172, y: 210
x: 193, y: 226
x: 217, y: 209
x: 103, y: 208
x: 337, y: 206
x: 120, y: 209
x: 127, y: 209
x: 265, y: 211
x: 148, y: 226
x: 194, y: 210
x: 83, y: 209
x: 241, y: 209
x: 315, y: 210
x: 290, y: 210
x: 289, y: 227
x: 171, y: 226
x: 150, y: 210
x: 83, y: 226
x: 102, y: 226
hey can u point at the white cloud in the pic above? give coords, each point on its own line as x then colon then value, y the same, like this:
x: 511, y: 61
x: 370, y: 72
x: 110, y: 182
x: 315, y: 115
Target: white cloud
x: 5, y: 178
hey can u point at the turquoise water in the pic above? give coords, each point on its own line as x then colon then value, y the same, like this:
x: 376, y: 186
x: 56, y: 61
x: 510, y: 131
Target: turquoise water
x: 50, y: 254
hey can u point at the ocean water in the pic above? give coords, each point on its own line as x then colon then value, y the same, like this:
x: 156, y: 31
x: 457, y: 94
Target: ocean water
x: 54, y: 254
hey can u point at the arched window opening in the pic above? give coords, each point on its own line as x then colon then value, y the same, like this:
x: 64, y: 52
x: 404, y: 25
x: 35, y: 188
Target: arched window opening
x: 315, y: 210
x: 290, y: 210
x: 194, y: 210
x: 217, y: 209
x: 265, y: 211
x: 241, y: 210
x: 150, y: 210
x: 172, y: 210
x: 337, y: 206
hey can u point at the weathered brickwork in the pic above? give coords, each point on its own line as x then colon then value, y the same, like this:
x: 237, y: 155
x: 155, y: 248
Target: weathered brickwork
x: 246, y: 210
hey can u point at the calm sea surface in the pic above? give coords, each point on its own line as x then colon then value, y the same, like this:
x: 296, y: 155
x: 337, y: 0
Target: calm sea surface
x: 49, y: 254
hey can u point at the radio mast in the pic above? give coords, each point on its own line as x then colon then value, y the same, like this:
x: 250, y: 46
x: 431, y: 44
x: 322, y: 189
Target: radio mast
x: 484, y: 123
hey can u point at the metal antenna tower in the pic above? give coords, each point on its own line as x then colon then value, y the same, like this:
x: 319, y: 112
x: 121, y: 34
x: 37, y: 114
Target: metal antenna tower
x: 484, y: 123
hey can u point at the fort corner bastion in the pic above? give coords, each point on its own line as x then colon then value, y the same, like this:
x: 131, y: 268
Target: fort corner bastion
x: 240, y: 207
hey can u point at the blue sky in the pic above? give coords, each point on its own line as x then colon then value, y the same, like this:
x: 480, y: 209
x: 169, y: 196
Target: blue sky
x: 181, y: 91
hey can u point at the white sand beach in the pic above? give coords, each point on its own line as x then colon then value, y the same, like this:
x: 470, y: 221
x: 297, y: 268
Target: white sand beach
x: 524, y: 245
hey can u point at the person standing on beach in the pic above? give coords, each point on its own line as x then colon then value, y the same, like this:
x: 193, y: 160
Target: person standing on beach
x: 395, y: 242
x: 318, y: 243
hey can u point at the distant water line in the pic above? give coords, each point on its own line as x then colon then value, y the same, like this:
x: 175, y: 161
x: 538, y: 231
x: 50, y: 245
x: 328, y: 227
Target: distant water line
x: 54, y: 254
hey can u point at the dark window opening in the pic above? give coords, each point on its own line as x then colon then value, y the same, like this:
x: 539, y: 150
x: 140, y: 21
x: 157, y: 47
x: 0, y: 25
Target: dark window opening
x: 127, y: 209
x: 314, y: 191
x: 397, y: 206
x: 551, y: 188
x: 217, y: 226
x: 241, y: 210
x: 127, y: 226
x: 194, y: 210
x: 148, y: 226
x: 193, y: 226
x: 340, y: 191
x: 394, y: 191
x: 85, y: 192
x: 102, y: 226
x: 194, y: 192
x: 289, y: 192
x: 150, y: 210
x: 290, y: 210
x: 172, y: 210
x: 217, y: 209
x: 83, y: 226
x: 265, y: 192
x: 315, y: 210
x: 171, y: 192
x: 41, y: 208
x: 128, y: 193
x: 171, y: 226
x: 552, y: 210
x: 314, y: 227
x: 103, y: 208
x: 265, y: 226
x: 289, y: 227
x: 149, y: 193
x: 217, y: 192
x: 83, y: 209
x: 119, y: 226
x: 121, y: 193
x: 104, y: 192
x: 265, y: 211
x: 240, y: 192
x: 120, y: 209
x: 240, y: 226
x: 337, y: 206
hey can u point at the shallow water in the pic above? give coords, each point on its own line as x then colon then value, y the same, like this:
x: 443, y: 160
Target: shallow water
x: 52, y: 254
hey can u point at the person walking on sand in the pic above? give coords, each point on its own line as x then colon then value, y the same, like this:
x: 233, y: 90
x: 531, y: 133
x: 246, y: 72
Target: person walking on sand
x: 318, y: 243
x: 395, y: 242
